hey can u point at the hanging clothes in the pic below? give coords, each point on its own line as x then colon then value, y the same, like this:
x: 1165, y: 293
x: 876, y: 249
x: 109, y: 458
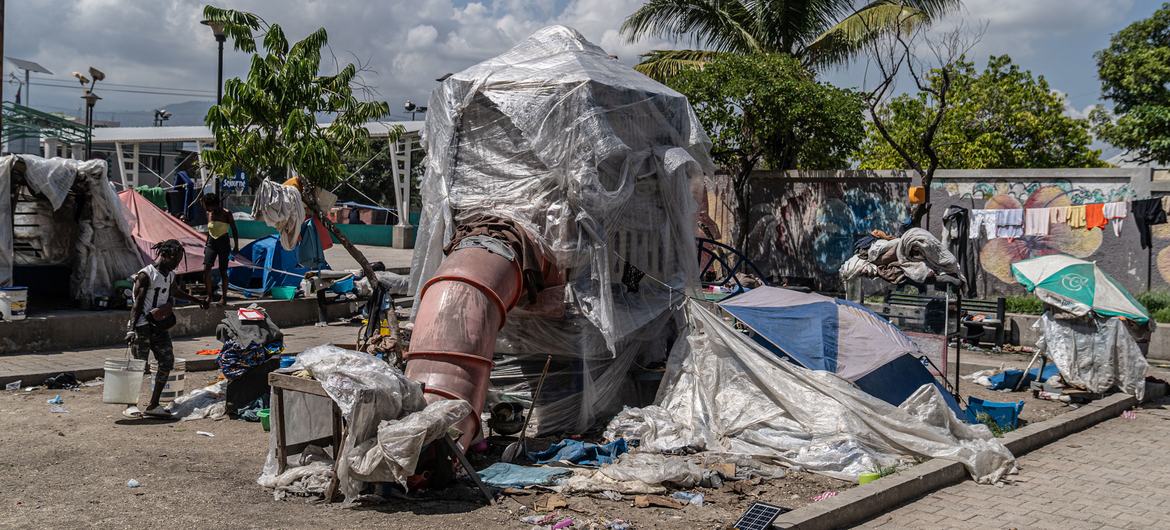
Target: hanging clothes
x: 1095, y: 216
x: 1009, y: 222
x: 983, y: 223
x: 956, y: 238
x: 1076, y: 216
x: 1036, y: 221
x: 280, y: 207
x: 1117, y: 212
x: 1058, y: 215
x: 1146, y: 213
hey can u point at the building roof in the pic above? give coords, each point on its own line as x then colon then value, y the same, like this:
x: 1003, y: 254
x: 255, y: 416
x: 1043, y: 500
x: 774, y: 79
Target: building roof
x: 200, y: 133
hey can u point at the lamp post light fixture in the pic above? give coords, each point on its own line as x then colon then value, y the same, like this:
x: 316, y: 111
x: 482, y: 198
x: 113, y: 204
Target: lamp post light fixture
x: 91, y: 99
x: 412, y: 108
x: 220, y: 37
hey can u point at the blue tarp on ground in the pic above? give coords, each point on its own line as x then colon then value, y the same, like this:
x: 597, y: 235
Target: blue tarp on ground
x: 502, y: 475
x: 1011, y: 378
x: 274, y: 266
x: 839, y: 336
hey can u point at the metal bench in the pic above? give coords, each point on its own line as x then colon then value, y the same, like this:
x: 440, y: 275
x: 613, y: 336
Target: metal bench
x: 928, y: 314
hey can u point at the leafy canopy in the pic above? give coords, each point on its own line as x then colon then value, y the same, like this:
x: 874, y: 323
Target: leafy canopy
x: 818, y: 32
x: 1002, y: 117
x: 1135, y: 75
x: 769, y: 108
x: 267, y: 122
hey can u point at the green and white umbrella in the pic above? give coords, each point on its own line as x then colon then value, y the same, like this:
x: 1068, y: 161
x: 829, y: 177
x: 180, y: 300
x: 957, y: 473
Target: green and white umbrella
x: 1078, y: 286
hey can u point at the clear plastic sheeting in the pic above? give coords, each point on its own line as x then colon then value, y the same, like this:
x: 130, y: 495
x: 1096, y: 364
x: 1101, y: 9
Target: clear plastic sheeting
x: 393, y: 455
x: 590, y: 158
x: 1094, y: 354
x: 104, y: 250
x: 723, y: 393
x: 345, y: 375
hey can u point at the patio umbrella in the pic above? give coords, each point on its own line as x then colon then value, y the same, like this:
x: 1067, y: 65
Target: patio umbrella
x: 1078, y: 286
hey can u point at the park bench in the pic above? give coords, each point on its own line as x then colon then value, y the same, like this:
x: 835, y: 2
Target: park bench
x: 928, y: 314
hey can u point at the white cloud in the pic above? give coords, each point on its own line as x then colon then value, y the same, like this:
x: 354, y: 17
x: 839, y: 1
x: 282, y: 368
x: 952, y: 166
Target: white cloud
x: 1015, y: 27
x: 421, y: 36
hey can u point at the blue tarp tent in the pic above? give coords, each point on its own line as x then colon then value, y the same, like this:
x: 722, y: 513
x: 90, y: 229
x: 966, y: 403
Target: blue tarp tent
x: 839, y: 336
x: 272, y: 262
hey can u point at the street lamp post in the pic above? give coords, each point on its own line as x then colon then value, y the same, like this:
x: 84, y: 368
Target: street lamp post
x: 91, y: 99
x: 412, y: 108
x: 160, y: 116
x: 220, y: 37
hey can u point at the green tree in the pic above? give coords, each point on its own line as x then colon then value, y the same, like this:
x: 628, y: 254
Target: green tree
x: 818, y: 32
x: 768, y: 110
x: 1135, y: 76
x: 1002, y: 117
x: 267, y: 123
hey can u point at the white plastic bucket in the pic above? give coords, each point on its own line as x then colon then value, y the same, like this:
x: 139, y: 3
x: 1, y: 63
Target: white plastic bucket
x: 175, y: 387
x: 123, y: 381
x: 13, y: 302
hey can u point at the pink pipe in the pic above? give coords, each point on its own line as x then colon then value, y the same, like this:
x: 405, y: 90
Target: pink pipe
x: 461, y: 310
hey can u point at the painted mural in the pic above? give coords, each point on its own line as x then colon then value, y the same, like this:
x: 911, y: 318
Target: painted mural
x: 997, y: 255
x: 804, y: 230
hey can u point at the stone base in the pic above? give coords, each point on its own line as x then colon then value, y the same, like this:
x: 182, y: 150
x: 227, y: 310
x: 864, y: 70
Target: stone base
x: 404, y: 236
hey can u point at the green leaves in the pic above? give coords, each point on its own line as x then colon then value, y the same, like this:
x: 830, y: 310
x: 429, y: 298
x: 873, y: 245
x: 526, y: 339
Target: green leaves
x: 1135, y: 75
x: 267, y: 121
x: 770, y: 108
x: 1002, y: 117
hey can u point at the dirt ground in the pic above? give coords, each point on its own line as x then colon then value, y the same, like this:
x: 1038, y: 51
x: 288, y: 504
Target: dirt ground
x: 71, y: 469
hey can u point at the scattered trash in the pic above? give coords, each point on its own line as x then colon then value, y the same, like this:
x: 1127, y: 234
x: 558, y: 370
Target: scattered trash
x: 550, y: 502
x: 94, y: 382
x: 205, y: 433
x: 58, y: 409
x: 563, y: 523
x: 1129, y: 415
x: 56, y: 400
x: 612, y: 495
x: 688, y: 497
x: 62, y: 381
x: 826, y: 495
x: 132, y: 483
x: 540, y: 520
x: 618, y: 524
x: 645, y: 501
x: 15, y: 385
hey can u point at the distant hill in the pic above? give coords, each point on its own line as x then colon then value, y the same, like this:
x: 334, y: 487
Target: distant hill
x: 185, y: 113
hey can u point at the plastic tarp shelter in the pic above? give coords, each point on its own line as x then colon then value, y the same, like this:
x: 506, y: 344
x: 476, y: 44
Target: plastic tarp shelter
x: 838, y: 336
x: 271, y: 266
x: 104, y: 249
x: 1094, y: 353
x: 150, y: 224
x: 595, y: 162
x: 726, y: 396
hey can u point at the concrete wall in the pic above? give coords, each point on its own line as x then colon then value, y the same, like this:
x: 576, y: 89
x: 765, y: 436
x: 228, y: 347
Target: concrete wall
x: 803, y: 223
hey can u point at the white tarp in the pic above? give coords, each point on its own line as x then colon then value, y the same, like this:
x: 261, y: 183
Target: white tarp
x: 724, y: 393
x: 104, y: 249
x: 1093, y: 353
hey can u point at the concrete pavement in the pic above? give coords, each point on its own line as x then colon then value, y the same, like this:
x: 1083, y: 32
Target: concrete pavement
x: 33, y: 368
x: 1103, y: 477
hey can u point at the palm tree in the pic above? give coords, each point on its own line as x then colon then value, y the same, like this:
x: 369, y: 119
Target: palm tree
x: 819, y: 32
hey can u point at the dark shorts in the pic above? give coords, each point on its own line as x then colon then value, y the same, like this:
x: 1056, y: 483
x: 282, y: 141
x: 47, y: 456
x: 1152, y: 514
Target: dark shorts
x: 152, y: 339
x: 217, y: 250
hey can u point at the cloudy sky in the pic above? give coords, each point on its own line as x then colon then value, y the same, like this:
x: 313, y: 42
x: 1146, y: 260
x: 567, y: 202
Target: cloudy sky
x: 159, y: 46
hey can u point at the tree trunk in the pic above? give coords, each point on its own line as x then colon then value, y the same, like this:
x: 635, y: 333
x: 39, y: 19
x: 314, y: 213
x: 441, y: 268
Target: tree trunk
x: 308, y: 193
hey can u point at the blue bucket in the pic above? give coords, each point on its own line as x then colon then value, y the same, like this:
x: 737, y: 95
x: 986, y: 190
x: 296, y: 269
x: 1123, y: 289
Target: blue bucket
x: 287, y: 360
x: 343, y: 286
x: 1006, y: 415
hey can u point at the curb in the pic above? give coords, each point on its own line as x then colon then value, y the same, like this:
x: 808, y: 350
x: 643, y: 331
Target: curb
x: 85, y: 374
x: 861, y: 503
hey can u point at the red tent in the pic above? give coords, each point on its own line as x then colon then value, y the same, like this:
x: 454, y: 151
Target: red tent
x: 149, y: 225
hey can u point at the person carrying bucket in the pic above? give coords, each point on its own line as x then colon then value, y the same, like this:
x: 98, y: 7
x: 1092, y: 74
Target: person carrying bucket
x: 152, y: 315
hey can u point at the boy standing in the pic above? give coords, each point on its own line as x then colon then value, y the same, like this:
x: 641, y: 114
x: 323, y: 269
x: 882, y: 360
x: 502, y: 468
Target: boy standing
x: 152, y: 315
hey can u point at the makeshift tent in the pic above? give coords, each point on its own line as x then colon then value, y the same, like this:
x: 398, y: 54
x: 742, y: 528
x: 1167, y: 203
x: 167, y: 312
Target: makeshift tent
x: 1078, y: 286
x: 272, y: 266
x: 103, y: 250
x: 839, y: 336
x: 150, y: 224
x: 727, y: 395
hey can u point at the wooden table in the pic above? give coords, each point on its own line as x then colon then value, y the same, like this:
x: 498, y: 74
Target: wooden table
x: 282, y: 383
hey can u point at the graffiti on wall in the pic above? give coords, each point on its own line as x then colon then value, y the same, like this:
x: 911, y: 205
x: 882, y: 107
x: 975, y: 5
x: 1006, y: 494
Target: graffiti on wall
x: 997, y: 255
x: 806, y: 230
